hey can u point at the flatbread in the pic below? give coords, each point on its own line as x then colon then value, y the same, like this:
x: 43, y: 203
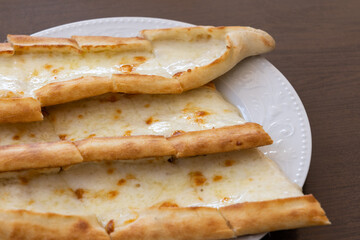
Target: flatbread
x: 43, y: 207
x: 208, y: 197
x: 122, y: 126
x: 160, y: 61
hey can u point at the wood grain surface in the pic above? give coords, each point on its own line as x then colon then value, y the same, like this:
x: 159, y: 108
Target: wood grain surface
x: 318, y: 50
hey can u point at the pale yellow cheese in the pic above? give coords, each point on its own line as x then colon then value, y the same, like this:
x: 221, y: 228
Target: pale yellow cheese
x: 21, y: 133
x: 23, y: 73
x: 121, y: 190
x: 179, y: 56
x: 39, y: 193
x: 123, y: 115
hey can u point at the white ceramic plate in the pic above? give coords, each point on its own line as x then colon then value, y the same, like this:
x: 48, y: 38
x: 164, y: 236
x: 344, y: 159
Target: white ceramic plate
x: 255, y: 86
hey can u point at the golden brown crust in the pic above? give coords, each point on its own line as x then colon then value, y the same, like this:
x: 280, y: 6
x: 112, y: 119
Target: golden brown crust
x: 175, y: 223
x: 29, y: 225
x: 38, y: 155
x: 19, y: 110
x: 266, y: 216
x: 25, y: 43
x: 6, y: 49
x: 184, y: 33
x: 72, y: 90
x: 44, y: 155
x: 217, y: 140
x: 241, y: 42
x: 104, y: 43
x: 131, y: 147
x: 233, y: 220
x: 145, y: 84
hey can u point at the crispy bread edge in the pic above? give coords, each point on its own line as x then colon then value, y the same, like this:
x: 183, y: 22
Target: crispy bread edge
x: 29, y: 225
x: 280, y: 214
x: 20, y: 110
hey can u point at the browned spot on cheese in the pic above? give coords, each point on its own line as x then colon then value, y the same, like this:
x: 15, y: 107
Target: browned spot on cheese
x: 137, y: 185
x: 91, y: 135
x: 199, y: 120
x: 16, y: 137
x: 178, y: 132
x: 201, y: 113
x: 35, y: 73
x: 110, y: 171
x: 200, y: 198
x: 121, y: 182
x: 48, y: 66
x: 63, y: 136
x: 217, y: 178
x: 116, y: 117
x: 79, y: 193
x: 225, y: 199
x: 192, y: 112
x: 110, y: 226
x: 151, y: 120
x: 32, y: 135
x: 127, y: 133
x: 112, y: 194
x: 24, y: 180
x: 118, y: 111
x: 130, y: 221
x: 72, y: 139
x: 178, y: 74
x: 251, y: 179
x: 197, y: 178
x: 147, y: 105
x: 203, y: 36
x: 229, y: 163
x: 130, y: 176
x: 168, y: 204
x: 126, y: 68
x: 31, y: 202
x: 189, y: 70
x: 80, y: 116
x: 140, y: 59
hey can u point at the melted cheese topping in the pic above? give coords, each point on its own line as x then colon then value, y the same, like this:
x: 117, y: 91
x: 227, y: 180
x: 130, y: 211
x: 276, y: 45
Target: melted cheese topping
x: 121, y: 190
x: 179, y: 56
x: 21, y: 133
x: 41, y: 193
x: 22, y: 74
x: 124, y: 115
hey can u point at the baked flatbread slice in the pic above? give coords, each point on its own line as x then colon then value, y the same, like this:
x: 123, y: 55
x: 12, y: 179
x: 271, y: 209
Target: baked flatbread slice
x: 209, y: 197
x: 37, y: 71
x: 43, y: 207
x: 122, y: 126
x: 34, y: 145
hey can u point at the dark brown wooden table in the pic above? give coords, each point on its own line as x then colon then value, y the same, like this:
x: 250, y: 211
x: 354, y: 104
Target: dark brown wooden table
x: 318, y: 50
